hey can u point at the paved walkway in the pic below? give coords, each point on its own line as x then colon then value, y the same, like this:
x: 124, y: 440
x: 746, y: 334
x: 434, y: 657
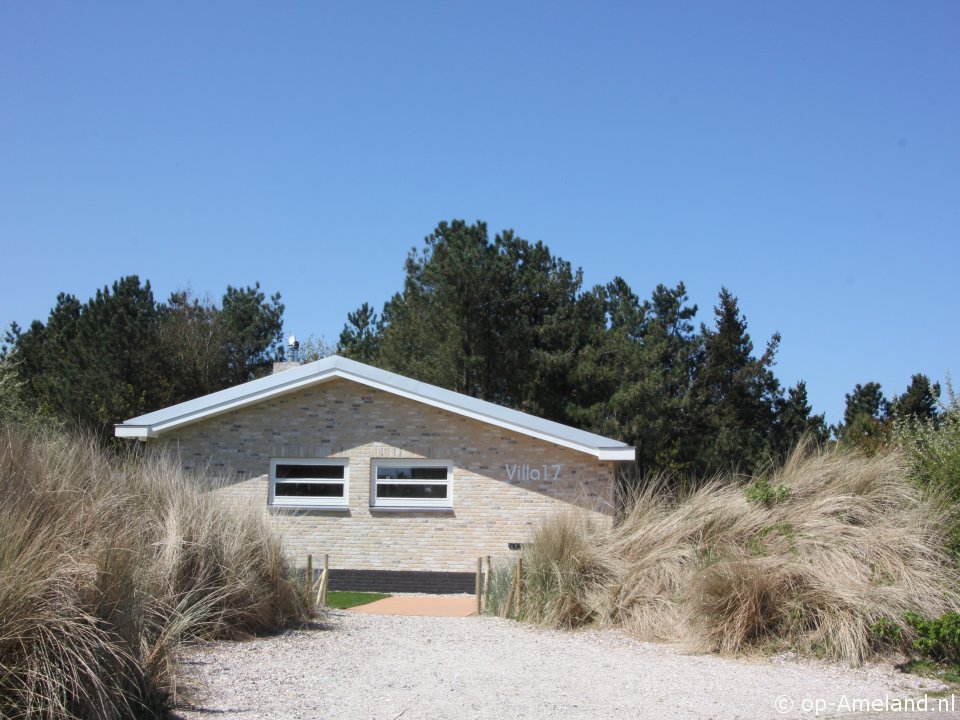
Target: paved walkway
x: 424, y: 606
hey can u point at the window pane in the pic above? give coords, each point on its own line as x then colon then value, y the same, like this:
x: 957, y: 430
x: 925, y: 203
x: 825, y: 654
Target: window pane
x: 413, y: 491
x: 295, y: 489
x: 309, y: 472
x: 408, y: 472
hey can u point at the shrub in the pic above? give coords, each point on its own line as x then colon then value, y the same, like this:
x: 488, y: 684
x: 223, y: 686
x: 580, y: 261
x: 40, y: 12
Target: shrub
x: 761, y: 491
x: 937, y: 639
x: 887, y: 632
x: 107, y: 565
x: 15, y: 409
x: 932, y: 452
x: 932, y: 448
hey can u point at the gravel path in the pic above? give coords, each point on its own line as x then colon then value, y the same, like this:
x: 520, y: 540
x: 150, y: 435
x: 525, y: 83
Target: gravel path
x: 391, y: 667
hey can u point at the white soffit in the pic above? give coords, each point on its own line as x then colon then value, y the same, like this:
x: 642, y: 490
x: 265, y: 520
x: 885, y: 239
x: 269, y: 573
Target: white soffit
x: 156, y: 423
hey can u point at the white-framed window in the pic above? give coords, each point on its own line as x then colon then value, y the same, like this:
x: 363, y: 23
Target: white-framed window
x: 321, y: 483
x: 398, y: 484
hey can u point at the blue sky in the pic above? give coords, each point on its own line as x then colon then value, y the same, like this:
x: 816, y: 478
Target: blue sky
x: 804, y: 154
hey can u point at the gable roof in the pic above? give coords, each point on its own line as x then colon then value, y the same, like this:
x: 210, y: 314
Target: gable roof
x: 156, y: 423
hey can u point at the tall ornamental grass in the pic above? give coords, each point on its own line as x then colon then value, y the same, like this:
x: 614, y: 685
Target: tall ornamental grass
x: 108, y: 565
x: 810, y: 558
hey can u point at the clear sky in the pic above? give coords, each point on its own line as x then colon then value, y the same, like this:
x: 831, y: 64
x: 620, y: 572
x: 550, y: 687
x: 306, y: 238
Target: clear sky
x: 804, y: 154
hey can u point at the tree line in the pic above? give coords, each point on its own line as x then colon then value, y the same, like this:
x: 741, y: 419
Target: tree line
x: 501, y: 319
x: 505, y: 320
x: 121, y: 354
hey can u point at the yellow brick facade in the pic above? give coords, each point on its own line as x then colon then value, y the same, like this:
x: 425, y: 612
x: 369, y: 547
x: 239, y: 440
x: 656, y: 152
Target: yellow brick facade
x: 493, y: 504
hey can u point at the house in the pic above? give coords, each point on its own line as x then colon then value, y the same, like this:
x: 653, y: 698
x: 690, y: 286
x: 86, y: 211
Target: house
x: 403, y: 483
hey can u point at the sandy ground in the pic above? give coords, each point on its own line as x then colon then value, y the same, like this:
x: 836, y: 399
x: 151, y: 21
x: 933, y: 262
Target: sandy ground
x: 429, y: 606
x: 391, y: 667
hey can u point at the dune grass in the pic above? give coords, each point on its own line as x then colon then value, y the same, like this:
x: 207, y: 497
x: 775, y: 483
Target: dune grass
x: 108, y: 565
x: 809, y: 557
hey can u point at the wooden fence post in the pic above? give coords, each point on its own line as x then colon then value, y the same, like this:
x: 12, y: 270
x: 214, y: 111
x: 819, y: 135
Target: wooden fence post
x: 308, y: 576
x: 486, y: 583
x: 322, y: 582
x: 519, y: 584
x: 479, y: 585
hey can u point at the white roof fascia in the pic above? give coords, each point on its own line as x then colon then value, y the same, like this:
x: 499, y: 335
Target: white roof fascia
x: 134, y: 431
x: 627, y: 453
x: 152, y: 424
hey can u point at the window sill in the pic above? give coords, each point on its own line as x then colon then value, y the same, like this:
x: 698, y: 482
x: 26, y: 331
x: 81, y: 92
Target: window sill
x: 412, y: 508
x: 319, y: 508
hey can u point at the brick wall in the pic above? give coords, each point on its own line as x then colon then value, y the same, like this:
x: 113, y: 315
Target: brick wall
x: 344, y: 419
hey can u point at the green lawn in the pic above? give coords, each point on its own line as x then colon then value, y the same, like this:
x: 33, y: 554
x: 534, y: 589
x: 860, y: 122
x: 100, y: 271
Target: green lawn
x: 344, y: 599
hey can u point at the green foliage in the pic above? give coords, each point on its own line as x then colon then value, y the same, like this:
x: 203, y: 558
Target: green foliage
x: 762, y: 491
x: 919, y: 402
x: 937, y: 639
x: 933, y: 450
x: 190, y: 348
x: 491, y: 319
x: 17, y: 408
x: 736, y: 394
x: 632, y: 375
x: 315, y: 348
x: 797, y: 423
x: 95, y: 363
x: 360, y: 338
x: 887, y: 632
x: 121, y: 354
x: 866, y: 400
x: 936, y: 642
x: 252, y: 332
x: 507, y: 321
x: 931, y: 447
x: 865, y: 425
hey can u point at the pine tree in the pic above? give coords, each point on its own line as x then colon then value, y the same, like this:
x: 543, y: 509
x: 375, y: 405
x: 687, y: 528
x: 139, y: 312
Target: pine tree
x: 485, y: 318
x: 797, y: 421
x: 252, y: 329
x: 361, y: 335
x: 736, y: 395
x: 919, y: 401
x: 865, y: 418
